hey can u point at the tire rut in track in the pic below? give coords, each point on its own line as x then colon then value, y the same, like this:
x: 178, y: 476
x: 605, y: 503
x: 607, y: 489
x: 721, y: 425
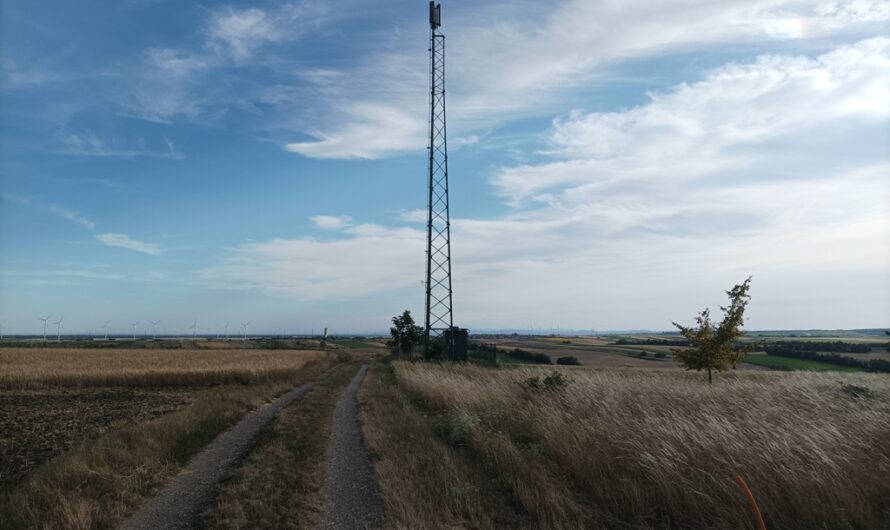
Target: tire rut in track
x: 353, y: 497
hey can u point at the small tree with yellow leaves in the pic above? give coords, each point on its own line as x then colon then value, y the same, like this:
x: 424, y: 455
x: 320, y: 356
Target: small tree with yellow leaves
x: 711, y: 344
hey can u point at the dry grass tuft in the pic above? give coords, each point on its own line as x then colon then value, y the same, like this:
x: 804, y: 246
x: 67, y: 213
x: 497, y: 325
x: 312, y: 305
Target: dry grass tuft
x: 74, y: 367
x: 662, y: 448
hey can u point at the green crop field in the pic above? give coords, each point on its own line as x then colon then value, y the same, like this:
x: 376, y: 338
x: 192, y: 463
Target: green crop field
x: 774, y: 362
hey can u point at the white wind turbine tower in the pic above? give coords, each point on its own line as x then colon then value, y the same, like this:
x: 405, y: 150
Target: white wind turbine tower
x: 227, y: 330
x: 244, y: 330
x: 154, y: 325
x: 2, y: 325
x: 58, y: 324
x: 134, y: 324
x: 105, y: 329
x: 44, y: 325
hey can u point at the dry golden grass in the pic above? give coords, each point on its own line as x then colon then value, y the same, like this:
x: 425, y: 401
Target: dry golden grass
x: 655, y: 448
x: 426, y: 484
x: 36, y: 367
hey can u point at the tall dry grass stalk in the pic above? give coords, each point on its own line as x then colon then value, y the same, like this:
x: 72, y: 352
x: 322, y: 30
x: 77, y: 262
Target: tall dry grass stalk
x: 33, y: 367
x: 662, y: 449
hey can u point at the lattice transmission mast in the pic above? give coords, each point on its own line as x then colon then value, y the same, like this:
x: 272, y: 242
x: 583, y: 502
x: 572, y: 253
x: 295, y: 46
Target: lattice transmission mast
x: 438, y: 248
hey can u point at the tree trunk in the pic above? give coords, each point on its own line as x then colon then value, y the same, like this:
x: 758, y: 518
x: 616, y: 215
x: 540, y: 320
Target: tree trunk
x: 709, y: 376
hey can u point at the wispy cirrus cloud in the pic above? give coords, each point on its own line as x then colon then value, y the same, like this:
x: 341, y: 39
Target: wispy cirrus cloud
x: 110, y: 239
x: 182, y: 83
x: 72, y: 216
x: 123, y: 241
x: 88, y: 143
x: 239, y: 32
x: 59, y: 211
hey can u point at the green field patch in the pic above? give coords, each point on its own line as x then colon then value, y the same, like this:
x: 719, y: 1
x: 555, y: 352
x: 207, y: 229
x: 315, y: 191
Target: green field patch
x: 785, y: 363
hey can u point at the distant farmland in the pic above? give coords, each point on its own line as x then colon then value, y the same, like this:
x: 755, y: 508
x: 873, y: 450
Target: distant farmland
x: 42, y: 367
x: 610, y: 352
x: 785, y: 363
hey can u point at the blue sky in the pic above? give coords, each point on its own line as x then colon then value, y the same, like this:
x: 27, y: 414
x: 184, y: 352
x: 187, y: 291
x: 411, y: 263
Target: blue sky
x: 613, y: 165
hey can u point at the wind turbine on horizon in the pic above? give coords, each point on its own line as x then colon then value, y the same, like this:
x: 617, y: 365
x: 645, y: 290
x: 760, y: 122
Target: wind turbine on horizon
x: 244, y: 330
x: 227, y: 330
x: 58, y: 324
x: 134, y: 324
x: 44, y: 325
x: 154, y: 325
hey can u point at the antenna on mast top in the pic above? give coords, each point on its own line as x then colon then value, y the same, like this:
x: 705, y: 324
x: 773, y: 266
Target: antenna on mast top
x: 435, y: 15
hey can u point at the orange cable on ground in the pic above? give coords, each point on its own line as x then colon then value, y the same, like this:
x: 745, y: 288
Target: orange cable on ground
x: 741, y: 481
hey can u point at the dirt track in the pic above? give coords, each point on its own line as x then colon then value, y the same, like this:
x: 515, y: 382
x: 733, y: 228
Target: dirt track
x: 353, y: 496
x: 180, y: 503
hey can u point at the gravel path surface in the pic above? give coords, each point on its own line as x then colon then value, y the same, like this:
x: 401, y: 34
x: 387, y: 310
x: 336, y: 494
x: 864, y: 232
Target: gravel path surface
x: 352, y: 494
x: 180, y: 503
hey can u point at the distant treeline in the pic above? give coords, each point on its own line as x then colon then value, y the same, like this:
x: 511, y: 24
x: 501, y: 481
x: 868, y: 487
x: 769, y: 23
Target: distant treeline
x: 515, y: 353
x: 529, y: 357
x: 652, y: 342
x: 871, y: 365
x: 840, y: 347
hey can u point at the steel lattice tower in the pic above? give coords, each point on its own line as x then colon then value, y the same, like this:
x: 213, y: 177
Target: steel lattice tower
x: 438, y: 247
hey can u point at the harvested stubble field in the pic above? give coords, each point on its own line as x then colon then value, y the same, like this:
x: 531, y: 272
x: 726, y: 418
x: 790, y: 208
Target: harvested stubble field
x: 88, y: 434
x: 39, y: 424
x: 50, y: 367
x: 628, y: 449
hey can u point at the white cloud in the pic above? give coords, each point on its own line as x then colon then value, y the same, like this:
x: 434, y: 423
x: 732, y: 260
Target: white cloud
x: 241, y: 31
x: 177, y: 63
x: 363, y: 136
x: 330, y: 222
x: 414, y: 216
x: 123, y: 241
x: 776, y: 168
x: 72, y: 216
x: 509, y: 60
x: 724, y: 125
x: 370, y: 262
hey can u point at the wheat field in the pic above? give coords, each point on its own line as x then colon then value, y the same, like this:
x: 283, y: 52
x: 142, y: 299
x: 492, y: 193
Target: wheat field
x: 656, y: 448
x: 34, y: 368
